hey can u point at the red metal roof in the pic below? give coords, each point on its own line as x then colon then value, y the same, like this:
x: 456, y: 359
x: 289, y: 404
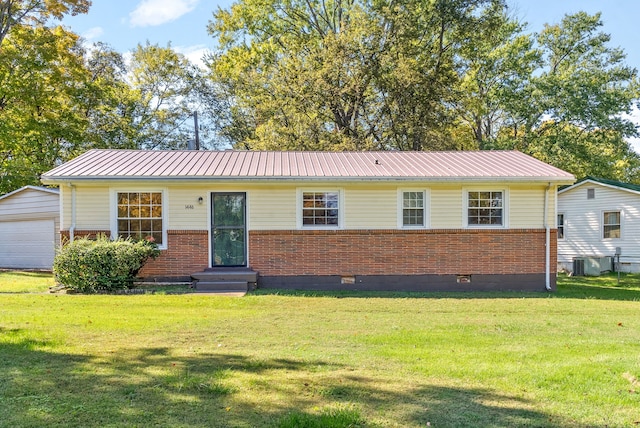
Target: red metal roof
x: 230, y: 164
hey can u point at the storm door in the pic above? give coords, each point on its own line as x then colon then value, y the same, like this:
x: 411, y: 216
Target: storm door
x: 228, y: 229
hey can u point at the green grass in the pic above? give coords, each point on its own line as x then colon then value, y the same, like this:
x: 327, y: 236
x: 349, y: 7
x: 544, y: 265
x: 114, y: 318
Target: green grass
x: 283, y: 359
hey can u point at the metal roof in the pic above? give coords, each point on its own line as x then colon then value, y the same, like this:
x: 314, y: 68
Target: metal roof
x: 273, y: 165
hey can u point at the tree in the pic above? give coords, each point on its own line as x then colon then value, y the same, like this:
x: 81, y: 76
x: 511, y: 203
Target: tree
x: 334, y: 75
x: 17, y: 12
x: 570, y: 114
x: 167, y: 89
x: 42, y: 77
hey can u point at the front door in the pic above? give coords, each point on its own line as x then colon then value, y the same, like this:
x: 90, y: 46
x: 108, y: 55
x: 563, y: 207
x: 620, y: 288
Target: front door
x: 228, y: 229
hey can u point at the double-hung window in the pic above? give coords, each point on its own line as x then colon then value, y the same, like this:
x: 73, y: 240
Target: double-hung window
x: 139, y: 215
x: 611, y: 224
x: 485, y: 209
x: 320, y: 209
x: 413, y: 208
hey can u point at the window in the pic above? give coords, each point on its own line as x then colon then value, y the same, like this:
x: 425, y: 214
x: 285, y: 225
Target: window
x: 485, y: 209
x: 413, y: 208
x: 591, y: 193
x: 560, y: 226
x: 611, y: 224
x: 140, y: 215
x: 320, y: 209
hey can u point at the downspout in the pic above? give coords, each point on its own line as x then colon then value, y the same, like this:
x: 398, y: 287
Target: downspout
x: 547, y: 237
x: 72, y: 228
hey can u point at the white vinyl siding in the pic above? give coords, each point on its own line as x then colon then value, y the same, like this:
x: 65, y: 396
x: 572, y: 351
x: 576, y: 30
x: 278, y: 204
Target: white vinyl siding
x: 275, y: 206
x: 584, y: 229
x: 526, y: 207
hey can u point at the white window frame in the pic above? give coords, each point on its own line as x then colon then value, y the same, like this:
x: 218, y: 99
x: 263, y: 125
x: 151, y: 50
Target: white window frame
x: 341, y: 208
x: 564, y: 226
x: 505, y: 207
x: 137, y: 189
x: 426, y: 208
x: 602, y: 213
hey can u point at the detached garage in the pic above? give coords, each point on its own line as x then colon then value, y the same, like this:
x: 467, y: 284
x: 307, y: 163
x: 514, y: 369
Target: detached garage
x: 29, y: 224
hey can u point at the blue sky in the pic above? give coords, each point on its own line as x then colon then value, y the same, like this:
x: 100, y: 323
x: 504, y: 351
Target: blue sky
x: 125, y: 23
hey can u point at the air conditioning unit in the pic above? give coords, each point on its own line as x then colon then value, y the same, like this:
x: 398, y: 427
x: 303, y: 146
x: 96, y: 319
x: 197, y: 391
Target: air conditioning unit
x: 592, y: 265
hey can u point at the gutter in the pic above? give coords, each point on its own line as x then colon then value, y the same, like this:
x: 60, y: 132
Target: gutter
x: 547, y: 245
x: 72, y: 228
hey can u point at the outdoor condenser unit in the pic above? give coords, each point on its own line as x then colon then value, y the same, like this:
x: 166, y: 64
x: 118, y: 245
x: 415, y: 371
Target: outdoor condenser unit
x: 592, y: 265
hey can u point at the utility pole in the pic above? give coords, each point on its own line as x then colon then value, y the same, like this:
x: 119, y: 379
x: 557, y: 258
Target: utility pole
x: 195, y: 125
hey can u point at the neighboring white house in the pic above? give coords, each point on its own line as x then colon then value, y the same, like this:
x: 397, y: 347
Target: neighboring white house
x: 597, y: 217
x: 29, y: 225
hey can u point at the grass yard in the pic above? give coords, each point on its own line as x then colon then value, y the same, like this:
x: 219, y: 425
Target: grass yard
x: 571, y: 358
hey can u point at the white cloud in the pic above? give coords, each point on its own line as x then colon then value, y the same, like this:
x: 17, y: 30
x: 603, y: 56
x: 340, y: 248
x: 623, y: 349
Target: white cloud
x: 157, y: 12
x: 194, y: 53
x: 93, y: 33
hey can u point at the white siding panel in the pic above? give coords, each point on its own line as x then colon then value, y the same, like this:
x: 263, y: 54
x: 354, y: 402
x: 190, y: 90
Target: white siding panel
x: 583, y: 224
x: 92, y: 208
x: 185, y: 212
x: 30, y: 203
x: 371, y: 208
x: 272, y: 208
x: 446, y: 207
x: 28, y: 244
x: 526, y: 207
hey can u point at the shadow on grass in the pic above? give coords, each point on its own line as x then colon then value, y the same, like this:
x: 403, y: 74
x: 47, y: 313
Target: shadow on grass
x: 152, y: 387
x: 605, y: 287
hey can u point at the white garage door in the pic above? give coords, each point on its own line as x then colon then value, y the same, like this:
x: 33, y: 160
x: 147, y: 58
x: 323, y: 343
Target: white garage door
x: 27, y: 244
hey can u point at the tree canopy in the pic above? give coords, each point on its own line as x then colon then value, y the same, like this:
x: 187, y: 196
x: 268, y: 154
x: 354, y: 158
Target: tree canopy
x: 322, y: 75
x: 423, y: 75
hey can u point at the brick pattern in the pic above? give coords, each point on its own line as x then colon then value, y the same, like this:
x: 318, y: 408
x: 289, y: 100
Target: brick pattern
x: 399, y: 252
x: 187, y: 252
x: 363, y: 252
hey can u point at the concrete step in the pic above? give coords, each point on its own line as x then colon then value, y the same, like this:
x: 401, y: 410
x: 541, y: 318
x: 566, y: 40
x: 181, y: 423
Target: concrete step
x: 231, y: 275
x: 218, y: 286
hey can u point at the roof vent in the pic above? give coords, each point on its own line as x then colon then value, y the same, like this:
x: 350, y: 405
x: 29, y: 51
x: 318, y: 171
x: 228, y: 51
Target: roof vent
x: 591, y: 193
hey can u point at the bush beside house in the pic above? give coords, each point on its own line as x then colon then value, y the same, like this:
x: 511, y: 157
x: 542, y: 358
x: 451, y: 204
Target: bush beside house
x: 87, y: 266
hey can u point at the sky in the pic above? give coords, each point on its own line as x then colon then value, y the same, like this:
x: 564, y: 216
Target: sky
x: 183, y: 23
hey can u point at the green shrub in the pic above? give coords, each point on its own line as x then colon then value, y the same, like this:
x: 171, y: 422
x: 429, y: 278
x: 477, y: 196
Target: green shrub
x: 87, y: 266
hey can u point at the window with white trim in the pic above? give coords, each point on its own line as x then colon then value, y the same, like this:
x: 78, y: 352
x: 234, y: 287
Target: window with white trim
x: 139, y: 215
x: 611, y: 224
x: 560, y: 226
x: 485, y: 208
x: 320, y: 209
x: 413, y: 208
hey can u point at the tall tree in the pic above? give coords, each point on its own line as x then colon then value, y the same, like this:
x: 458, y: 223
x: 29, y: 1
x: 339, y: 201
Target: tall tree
x: 572, y: 111
x: 333, y: 74
x: 42, y: 81
x: 167, y: 88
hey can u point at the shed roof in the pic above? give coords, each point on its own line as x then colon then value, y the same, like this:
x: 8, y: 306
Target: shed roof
x: 635, y: 188
x: 244, y: 165
x: 45, y: 190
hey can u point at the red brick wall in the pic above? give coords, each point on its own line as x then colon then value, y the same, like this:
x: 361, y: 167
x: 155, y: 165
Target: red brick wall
x: 187, y: 252
x: 364, y: 252
x: 399, y: 252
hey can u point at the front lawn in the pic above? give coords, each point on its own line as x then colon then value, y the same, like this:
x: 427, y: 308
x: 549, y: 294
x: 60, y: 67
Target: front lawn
x: 571, y: 358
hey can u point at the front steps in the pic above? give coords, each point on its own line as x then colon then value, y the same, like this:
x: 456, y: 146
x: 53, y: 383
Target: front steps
x: 224, y: 280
